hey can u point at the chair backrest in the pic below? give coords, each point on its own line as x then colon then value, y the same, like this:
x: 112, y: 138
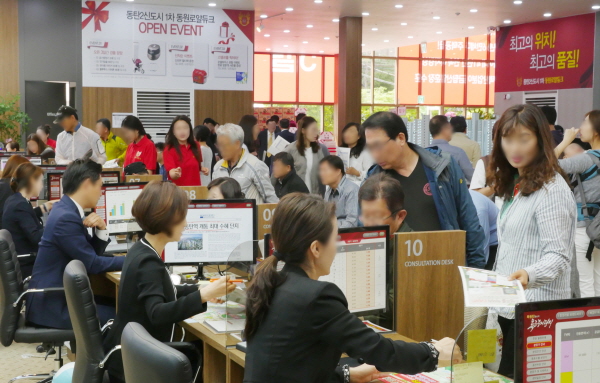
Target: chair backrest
x: 11, y: 286
x: 145, y: 359
x: 86, y: 326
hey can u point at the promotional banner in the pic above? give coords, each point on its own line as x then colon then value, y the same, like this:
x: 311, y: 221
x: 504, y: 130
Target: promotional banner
x: 127, y: 45
x: 553, y: 54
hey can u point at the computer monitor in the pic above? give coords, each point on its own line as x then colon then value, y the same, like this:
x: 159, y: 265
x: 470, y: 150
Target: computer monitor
x: 36, y: 160
x: 111, y: 177
x: 52, y: 182
x: 360, y: 268
x: 214, y: 229
x: 558, y: 341
x: 115, y: 204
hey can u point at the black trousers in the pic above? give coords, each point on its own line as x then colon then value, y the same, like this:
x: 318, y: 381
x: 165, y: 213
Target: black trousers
x: 507, y: 363
x: 492, y: 257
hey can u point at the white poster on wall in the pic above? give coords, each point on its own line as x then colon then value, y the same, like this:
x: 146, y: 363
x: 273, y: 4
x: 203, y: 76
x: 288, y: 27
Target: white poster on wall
x: 127, y: 45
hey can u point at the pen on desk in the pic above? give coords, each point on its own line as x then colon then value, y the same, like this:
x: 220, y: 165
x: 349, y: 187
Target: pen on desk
x: 231, y: 280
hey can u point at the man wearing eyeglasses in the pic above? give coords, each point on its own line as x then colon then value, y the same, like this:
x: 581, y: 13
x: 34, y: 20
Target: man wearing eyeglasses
x: 381, y: 200
x: 432, y: 181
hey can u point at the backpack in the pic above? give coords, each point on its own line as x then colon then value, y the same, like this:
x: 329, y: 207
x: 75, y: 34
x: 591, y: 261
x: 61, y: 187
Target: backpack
x: 593, y: 227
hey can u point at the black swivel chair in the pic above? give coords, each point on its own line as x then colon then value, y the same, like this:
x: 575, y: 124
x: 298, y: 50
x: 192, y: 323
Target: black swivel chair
x: 145, y: 359
x: 12, y: 319
x: 89, y: 366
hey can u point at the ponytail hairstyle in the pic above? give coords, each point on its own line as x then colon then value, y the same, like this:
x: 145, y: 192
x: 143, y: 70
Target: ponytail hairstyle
x: 299, y: 220
x: 133, y: 123
x: 24, y: 176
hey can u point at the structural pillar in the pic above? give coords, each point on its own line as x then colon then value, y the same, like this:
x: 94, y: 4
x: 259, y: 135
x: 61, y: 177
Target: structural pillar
x: 349, y: 73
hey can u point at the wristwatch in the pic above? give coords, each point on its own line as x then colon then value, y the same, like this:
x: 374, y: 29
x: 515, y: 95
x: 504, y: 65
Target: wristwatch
x: 346, y: 370
x: 434, y: 351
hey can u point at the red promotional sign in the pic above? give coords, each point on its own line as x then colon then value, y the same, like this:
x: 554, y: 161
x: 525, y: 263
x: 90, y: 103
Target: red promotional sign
x: 553, y: 54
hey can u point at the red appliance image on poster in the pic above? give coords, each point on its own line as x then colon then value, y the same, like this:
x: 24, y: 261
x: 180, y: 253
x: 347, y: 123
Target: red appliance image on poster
x: 199, y: 76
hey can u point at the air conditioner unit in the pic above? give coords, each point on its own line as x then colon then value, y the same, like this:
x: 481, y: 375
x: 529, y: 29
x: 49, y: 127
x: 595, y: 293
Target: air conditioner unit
x: 157, y: 109
x: 541, y: 98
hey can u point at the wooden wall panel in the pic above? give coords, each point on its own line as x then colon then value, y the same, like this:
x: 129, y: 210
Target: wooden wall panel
x: 9, y: 46
x: 349, y: 70
x: 222, y: 105
x: 103, y: 102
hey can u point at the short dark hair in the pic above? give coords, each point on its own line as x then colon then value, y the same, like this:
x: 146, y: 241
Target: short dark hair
x: 202, y: 133
x: 45, y: 128
x: 209, y: 120
x: 284, y: 123
x: 105, y: 122
x: 436, y: 124
x: 13, y: 145
x: 275, y: 118
x: 285, y: 158
x: 159, y: 206
x: 229, y: 187
x: 272, y: 120
x: 385, y: 187
x: 300, y: 116
x: 390, y: 122
x: 550, y: 114
x: 160, y: 146
x: 459, y: 124
x: 335, y: 162
x: 77, y: 172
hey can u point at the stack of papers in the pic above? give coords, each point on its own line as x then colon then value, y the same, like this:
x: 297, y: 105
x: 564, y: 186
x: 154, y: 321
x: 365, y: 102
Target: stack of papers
x: 483, y: 288
x: 223, y: 326
x: 441, y: 375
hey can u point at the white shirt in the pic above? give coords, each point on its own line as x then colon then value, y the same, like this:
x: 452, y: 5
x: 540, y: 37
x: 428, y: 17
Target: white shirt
x: 101, y: 234
x: 207, y: 157
x: 362, y: 164
x: 309, y: 161
x: 479, y: 181
x: 70, y: 147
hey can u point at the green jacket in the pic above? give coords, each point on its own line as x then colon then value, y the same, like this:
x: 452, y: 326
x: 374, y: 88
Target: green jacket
x: 115, y: 147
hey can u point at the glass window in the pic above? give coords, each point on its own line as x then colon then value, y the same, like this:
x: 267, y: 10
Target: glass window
x: 315, y: 111
x: 411, y: 114
x: 477, y: 47
x: 384, y: 82
x: 454, y: 83
x: 455, y: 49
x: 365, y: 112
x: 431, y: 82
x: 328, y: 120
x: 454, y: 111
x: 262, y: 77
x: 409, y: 51
x: 387, y: 52
x: 284, y: 78
x: 408, y: 81
x: 311, y: 79
x: 476, y: 83
x: 492, y: 83
x: 430, y: 110
x: 366, y: 81
x: 492, y: 47
x: 367, y: 53
x: 330, y: 76
x: 434, y: 50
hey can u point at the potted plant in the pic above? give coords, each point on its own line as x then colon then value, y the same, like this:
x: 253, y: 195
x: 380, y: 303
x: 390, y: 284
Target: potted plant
x: 12, y: 118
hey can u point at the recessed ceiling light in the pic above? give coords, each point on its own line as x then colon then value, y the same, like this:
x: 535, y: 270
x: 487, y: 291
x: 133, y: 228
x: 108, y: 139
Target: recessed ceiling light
x: 386, y: 41
x: 471, y: 27
x: 321, y: 51
x: 473, y: 10
x: 267, y: 35
x: 374, y: 29
x: 436, y: 17
x: 518, y: 2
x: 129, y: 0
x: 212, y: 4
x: 286, y: 31
x: 595, y: 6
x: 365, y: 13
x: 305, y: 42
x: 410, y: 37
x: 507, y: 21
x: 289, y: 9
x: 326, y: 38
x: 263, y: 16
x: 439, y: 32
x: 285, y: 46
x: 309, y: 26
x: 547, y: 14
x: 318, y: 1
x: 399, y: 5
x: 268, y: 49
x: 336, y: 20
x: 362, y: 45
x: 403, y: 24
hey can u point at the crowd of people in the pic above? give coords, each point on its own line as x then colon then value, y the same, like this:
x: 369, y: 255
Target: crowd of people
x: 526, y: 208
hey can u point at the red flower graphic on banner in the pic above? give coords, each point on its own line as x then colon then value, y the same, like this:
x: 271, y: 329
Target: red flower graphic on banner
x: 98, y: 14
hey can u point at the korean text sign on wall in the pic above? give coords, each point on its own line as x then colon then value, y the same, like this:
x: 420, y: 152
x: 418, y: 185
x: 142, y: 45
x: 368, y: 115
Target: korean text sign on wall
x: 145, y: 46
x: 553, y: 54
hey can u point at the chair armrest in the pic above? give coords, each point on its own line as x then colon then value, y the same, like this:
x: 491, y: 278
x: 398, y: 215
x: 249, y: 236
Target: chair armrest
x: 106, y: 326
x: 46, y: 290
x: 112, y: 350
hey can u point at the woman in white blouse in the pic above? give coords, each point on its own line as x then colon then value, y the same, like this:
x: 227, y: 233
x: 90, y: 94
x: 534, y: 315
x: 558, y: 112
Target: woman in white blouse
x: 360, y: 160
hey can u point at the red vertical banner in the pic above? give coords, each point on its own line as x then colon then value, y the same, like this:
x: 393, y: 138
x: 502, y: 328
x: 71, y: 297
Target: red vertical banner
x: 553, y: 54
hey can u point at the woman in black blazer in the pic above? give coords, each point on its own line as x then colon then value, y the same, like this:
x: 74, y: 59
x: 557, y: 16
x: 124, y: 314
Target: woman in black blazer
x: 147, y: 294
x: 297, y: 327
x: 20, y: 218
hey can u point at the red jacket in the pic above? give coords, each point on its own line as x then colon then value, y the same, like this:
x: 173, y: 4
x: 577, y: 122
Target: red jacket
x: 190, y: 168
x: 143, y: 151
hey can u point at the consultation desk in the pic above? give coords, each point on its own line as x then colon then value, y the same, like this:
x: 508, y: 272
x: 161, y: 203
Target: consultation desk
x: 222, y: 364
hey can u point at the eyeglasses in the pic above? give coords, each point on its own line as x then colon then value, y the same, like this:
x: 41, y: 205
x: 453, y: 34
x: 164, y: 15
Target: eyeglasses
x: 377, y: 147
x: 379, y: 219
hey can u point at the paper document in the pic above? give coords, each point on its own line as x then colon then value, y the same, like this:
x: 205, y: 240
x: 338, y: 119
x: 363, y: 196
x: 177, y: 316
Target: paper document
x: 222, y: 326
x: 483, y: 288
x: 442, y: 375
x: 344, y: 154
x: 277, y: 146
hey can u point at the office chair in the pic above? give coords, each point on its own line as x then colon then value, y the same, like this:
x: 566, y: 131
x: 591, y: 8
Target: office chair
x: 91, y: 360
x: 12, y: 319
x: 146, y: 359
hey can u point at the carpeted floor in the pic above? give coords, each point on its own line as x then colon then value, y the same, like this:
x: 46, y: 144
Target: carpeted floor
x: 13, y: 363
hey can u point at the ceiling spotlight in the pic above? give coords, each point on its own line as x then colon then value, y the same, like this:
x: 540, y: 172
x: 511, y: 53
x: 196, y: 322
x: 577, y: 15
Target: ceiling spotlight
x: 473, y: 10
x: 289, y: 9
x: 362, y: 45
x: 318, y: 1
x: 326, y: 38
x: 595, y: 6
x: 321, y: 51
x: 410, y: 37
x: 399, y: 5
x: 518, y: 2
x: 471, y: 27
x: 403, y: 24
x: 286, y: 31
x: 285, y: 46
x: 309, y: 26
x: 374, y: 29
x: 547, y: 14
x: 365, y: 13
x: 260, y: 27
x: 267, y: 35
x: 436, y: 17
x: 268, y: 49
x: 507, y: 21
x: 386, y: 41
x: 439, y: 32
x: 212, y: 4
x: 336, y: 20
x: 305, y: 42
x: 263, y: 16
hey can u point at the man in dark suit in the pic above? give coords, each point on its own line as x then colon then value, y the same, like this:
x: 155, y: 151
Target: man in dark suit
x: 285, y: 131
x: 285, y: 178
x: 266, y: 139
x: 66, y: 238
